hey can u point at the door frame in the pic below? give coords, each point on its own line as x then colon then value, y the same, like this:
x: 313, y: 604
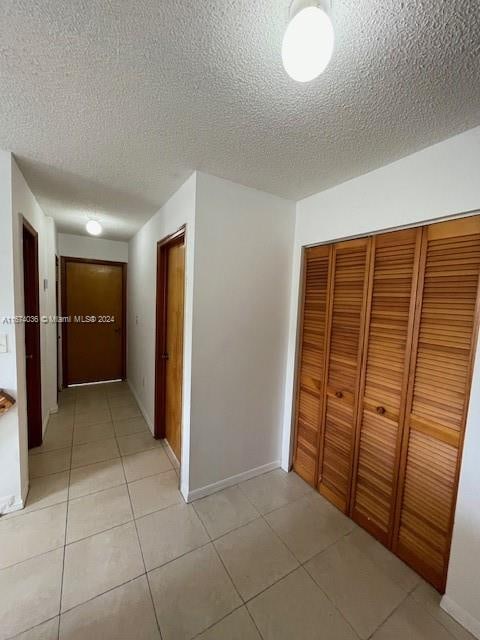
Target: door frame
x: 63, y: 287
x: 34, y: 373
x: 163, y: 247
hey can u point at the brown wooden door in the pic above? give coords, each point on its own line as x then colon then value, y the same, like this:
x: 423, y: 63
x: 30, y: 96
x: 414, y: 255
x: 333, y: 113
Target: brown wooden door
x: 33, y: 376
x: 311, y: 363
x: 444, y: 343
x: 347, y: 299
x: 94, y: 340
x: 174, y: 341
x: 388, y: 337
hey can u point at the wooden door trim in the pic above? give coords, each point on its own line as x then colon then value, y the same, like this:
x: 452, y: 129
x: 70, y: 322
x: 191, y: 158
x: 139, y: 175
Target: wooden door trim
x: 163, y: 246
x: 63, y: 294
x: 35, y: 428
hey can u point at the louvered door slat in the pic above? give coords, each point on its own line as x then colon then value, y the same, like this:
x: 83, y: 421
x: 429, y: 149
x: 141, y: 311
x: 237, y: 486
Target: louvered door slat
x: 384, y: 382
x: 311, y: 364
x: 438, y: 396
x: 346, y: 319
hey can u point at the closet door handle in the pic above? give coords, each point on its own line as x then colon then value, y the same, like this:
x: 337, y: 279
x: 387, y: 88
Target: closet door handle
x: 339, y: 394
x: 381, y: 410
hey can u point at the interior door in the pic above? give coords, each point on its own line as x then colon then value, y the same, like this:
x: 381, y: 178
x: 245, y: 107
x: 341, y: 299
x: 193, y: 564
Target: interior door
x: 174, y: 345
x: 388, y: 337
x: 444, y: 338
x: 32, y: 335
x: 94, y: 339
x: 311, y: 363
x: 347, y: 300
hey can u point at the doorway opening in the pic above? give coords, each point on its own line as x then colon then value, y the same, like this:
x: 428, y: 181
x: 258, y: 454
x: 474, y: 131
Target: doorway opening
x: 169, y: 340
x: 33, y: 373
x: 94, y: 325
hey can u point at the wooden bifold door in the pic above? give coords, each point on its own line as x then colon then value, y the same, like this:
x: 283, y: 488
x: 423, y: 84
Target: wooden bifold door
x: 388, y: 335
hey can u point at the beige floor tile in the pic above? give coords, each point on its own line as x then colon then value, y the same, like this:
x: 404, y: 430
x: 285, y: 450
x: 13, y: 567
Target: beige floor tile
x: 392, y: 566
x: 47, y: 491
x: 146, y: 463
x: 275, y: 489
x: 130, y: 410
x: 31, y: 534
x: 122, y: 400
x: 98, y: 512
x: 131, y: 425
x: 309, y: 525
x: 56, y: 437
x: 99, y: 563
x: 96, y: 477
x: 93, y: 433
x: 254, y: 557
x: 170, y: 533
x: 154, y: 493
x: 44, y: 492
x: 137, y: 442
x: 192, y: 593
x: 84, y: 454
x: 45, y: 464
x: 30, y: 593
x: 93, y: 416
x: 411, y: 621
x: 125, y: 613
x: 236, y: 626
x: 359, y: 588
x: 429, y: 599
x: 90, y: 403
x: 296, y: 608
x: 63, y: 418
x: 46, y: 631
x: 224, y: 511
x: 115, y: 388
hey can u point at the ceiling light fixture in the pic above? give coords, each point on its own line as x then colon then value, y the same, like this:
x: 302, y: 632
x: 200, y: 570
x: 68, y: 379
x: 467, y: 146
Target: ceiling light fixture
x: 308, y: 42
x: 94, y: 227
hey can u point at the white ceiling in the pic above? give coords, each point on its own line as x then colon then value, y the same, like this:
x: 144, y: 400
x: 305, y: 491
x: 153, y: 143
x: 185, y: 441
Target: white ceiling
x: 109, y: 105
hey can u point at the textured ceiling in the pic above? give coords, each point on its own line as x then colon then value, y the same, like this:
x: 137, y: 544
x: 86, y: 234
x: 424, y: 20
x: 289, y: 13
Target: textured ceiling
x: 109, y: 105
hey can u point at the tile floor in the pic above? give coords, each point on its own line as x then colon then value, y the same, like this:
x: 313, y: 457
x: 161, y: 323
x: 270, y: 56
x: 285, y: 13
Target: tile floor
x: 107, y: 549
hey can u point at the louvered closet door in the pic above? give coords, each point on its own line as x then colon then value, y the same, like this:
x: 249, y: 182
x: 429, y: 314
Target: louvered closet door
x: 388, y: 336
x: 438, y: 396
x: 346, y: 319
x: 312, y: 363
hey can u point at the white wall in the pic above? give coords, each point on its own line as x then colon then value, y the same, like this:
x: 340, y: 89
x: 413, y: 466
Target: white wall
x: 243, y: 242
x: 442, y: 180
x: 93, y: 248
x: 178, y: 211
x: 10, y: 477
x: 17, y: 200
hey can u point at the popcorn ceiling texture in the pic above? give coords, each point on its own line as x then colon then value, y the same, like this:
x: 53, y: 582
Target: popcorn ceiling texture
x: 110, y: 105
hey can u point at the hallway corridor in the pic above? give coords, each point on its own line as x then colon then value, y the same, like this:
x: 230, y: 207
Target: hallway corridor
x: 107, y: 541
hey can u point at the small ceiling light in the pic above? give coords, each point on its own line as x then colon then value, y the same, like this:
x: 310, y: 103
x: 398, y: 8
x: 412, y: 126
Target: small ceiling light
x: 94, y: 227
x: 308, y: 42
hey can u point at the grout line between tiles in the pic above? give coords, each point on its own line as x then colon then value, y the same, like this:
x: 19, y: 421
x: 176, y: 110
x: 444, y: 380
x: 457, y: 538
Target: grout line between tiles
x: 141, y: 549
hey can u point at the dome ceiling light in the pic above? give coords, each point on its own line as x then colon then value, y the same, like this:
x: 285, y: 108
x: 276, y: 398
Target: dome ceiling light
x: 94, y: 228
x: 309, y: 39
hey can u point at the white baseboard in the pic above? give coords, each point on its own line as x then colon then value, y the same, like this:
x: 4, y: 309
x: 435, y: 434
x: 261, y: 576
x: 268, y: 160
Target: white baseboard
x: 45, y: 423
x: 171, y: 454
x: 461, y: 616
x: 231, y: 481
x: 141, y: 407
x: 54, y: 409
x: 8, y: 504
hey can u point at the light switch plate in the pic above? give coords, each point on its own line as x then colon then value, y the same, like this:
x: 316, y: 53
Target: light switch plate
x: 3, y: 343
